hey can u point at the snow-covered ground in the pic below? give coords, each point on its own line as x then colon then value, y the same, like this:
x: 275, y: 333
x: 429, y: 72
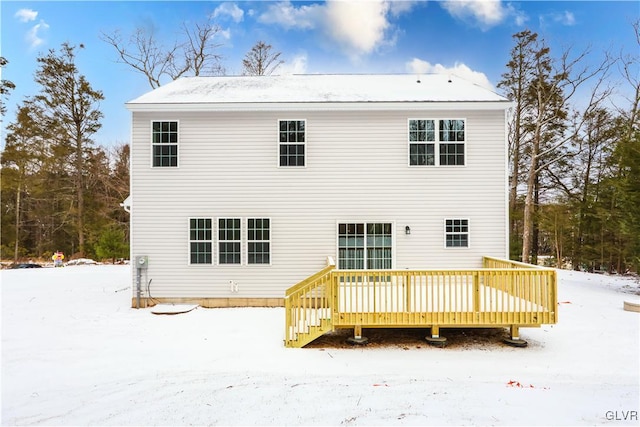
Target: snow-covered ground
x: 75, y: 353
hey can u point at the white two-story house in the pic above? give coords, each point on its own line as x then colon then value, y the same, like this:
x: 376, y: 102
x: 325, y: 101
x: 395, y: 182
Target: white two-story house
x: 243, y: 186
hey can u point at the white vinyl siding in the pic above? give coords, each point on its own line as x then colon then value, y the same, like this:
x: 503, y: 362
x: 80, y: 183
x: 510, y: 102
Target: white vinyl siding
x: 356, y: 172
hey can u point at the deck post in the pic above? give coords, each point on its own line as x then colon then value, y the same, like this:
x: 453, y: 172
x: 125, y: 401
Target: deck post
x: 515, y: 341
x: 435, y: 339
x: 357, y: 336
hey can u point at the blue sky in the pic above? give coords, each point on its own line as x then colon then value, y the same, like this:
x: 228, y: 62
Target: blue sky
x: 466, y: 37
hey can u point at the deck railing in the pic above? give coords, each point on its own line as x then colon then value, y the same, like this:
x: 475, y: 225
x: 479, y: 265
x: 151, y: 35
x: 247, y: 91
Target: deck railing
x: 504, y: 293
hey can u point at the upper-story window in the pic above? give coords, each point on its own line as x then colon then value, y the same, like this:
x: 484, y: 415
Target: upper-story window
x: 291, y: 144
x: 438, y: 142
x: 164, y: 141
x: 452, y: 142
x: 422, y: 136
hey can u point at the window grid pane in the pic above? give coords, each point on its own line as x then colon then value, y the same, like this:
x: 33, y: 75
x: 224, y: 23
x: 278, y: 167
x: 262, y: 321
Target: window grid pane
x: 229, y: 241
x: 452, y: 130
x: 200, y: 241
x: 422, y: 154
x: 457, y: 233
x: 452, y: 154
x: 292, y: 136
x: 258, y: 236
x: 164, y: 137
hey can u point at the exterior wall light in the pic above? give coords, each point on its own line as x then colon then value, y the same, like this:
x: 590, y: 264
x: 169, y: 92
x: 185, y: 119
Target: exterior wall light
x: 407, y: 230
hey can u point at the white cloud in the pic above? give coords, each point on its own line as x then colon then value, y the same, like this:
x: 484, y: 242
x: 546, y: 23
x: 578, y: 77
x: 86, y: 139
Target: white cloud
x: 26, y: 15
x: 298, y: 65
x: 520, y: 18
x: 229, y: 9
x: 567, y: 18
x: 485, y: 13
x: 419, y: 66
x: 225, y: 34
x: 33, y: 36
x: 288, y: 16
x: 359, y: 27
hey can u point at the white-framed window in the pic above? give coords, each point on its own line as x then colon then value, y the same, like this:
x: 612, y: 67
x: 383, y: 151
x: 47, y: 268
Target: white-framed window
x: 451, y: 147
x: 229, y: 241
x: 436, y: 142
x: 456, y: 233
x: 292, y: 142
x: 364, y: 245
x: 258, y: 241
x: 200, y: 241
x: 164, y: 143
x: 422, y: 136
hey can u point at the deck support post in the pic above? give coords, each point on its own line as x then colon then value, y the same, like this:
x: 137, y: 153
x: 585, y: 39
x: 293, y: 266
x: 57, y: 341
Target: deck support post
x: 357, y: 336
x: 514, y: 339
x: 435, y: 339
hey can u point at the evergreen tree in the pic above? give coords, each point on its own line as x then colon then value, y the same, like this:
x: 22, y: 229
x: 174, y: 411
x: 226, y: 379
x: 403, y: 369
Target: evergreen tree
x: 70, y: 113
x: 112, y: 244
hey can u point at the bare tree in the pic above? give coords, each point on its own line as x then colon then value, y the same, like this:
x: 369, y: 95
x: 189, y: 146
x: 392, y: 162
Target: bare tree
x: 260, y: 60
x: 543, y: 88
x: 194, y: 55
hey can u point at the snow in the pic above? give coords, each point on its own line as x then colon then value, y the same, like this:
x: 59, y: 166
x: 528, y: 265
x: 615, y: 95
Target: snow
x: 75, y: 353
x: 313, y: 88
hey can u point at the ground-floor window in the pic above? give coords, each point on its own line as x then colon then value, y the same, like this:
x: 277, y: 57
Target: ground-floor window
x: 229, y: 241
x: 365, y: 246
x: 258, y: 241
x: 200, y: 241
x: 456, y: 233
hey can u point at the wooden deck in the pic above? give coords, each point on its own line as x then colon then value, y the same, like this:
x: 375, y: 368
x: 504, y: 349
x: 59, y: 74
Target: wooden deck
x: 501, y: 294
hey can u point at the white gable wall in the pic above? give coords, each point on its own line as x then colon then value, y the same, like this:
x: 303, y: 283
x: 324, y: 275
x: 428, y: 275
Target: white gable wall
x: 356, y: 170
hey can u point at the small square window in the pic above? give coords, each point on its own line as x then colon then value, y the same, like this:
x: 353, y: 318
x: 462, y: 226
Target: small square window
x: 457, y: 233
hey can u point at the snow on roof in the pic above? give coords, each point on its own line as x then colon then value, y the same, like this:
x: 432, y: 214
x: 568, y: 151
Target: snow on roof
x: 315, y: 88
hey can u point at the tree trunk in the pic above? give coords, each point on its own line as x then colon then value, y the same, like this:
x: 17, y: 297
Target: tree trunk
x: 527, y: 229
x: 80, y: 195
x: 17, y: 244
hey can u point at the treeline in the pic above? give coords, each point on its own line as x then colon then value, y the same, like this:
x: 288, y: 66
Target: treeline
x: 574, y: 146
x: 59, y: 190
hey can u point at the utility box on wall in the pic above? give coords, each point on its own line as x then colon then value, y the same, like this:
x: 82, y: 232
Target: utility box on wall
x: 142, y: 262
